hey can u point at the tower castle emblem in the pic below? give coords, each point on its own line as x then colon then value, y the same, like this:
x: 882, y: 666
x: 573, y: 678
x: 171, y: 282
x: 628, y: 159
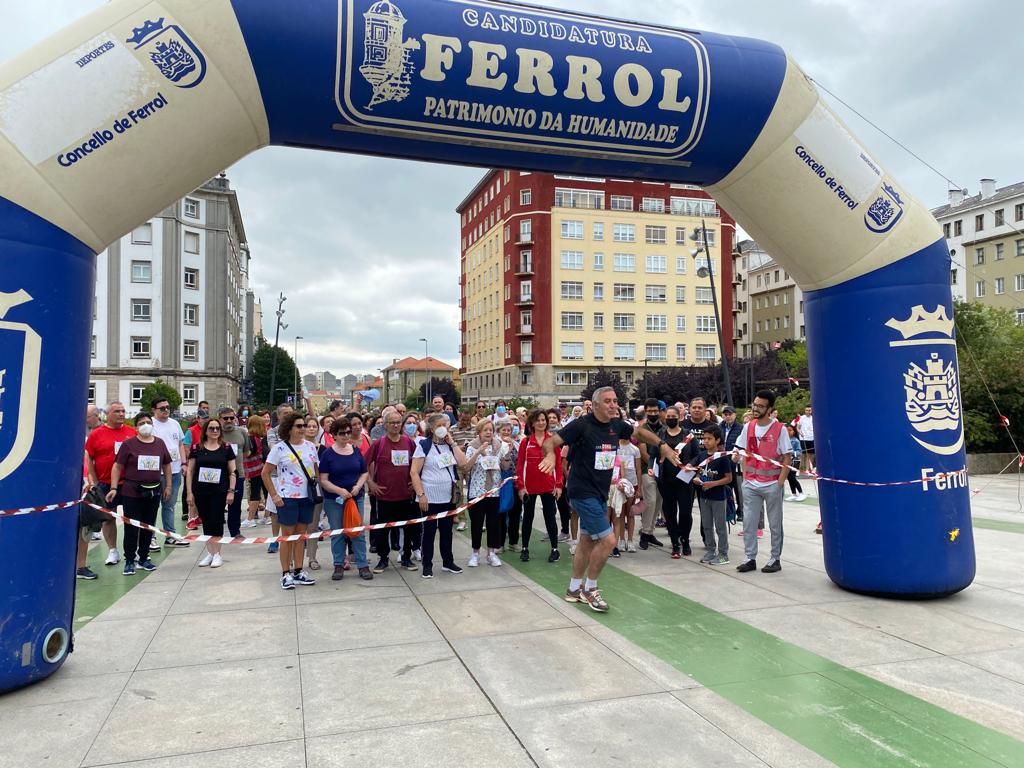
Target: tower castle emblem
x: 20, y: 356
x: 932, y: 387
x: 885, y: 211
x: 387, y: 63
x: 171, y: 51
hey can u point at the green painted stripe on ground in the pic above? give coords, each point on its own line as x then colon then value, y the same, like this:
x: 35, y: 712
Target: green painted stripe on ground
x: 846, y: 717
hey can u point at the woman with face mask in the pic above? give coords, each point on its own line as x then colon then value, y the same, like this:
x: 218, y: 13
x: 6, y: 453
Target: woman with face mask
x: 434, y: 473
x: 140, y: 462
x: 511, y: 506
x: 486, y: 457
x: 211, y: 471
x: 671, y: 488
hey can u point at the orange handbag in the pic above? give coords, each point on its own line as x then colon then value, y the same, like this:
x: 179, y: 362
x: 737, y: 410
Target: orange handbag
x: 350, y: 517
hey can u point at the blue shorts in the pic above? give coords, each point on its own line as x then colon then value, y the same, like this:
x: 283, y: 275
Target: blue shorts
x: 593, y: 514
x: 295, y: 512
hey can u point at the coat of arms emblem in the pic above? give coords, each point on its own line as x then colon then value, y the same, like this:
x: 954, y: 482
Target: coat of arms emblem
x: 20, y: 354
x: 931, y: 384
x: 387, y: 63
x: 171, y: 51
x: 885, y: 211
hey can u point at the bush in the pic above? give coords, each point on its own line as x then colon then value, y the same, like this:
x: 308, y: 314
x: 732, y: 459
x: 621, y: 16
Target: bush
x: 159, y: 390
x: 793, y: 404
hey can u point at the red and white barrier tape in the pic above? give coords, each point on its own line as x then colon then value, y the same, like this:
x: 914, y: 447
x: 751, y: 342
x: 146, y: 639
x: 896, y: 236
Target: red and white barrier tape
x: 264, y: 539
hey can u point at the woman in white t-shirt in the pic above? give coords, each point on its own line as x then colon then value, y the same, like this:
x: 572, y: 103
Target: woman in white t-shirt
x: 628, y: 463
x: 486, y: 457
x: 295, y: 461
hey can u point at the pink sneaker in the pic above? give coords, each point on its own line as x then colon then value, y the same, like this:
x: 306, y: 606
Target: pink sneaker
x: 760, y: 533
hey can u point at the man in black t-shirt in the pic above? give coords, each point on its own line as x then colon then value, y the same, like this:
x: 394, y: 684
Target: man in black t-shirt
x: 693, y: 426
x: 593, y: 440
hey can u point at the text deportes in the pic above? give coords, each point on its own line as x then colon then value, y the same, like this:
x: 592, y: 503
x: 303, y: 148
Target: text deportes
x: 121, y: 124
x: 632, y: 84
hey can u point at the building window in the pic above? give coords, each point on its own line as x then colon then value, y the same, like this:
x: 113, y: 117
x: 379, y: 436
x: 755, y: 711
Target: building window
x: 136, y: 393
x: 92, y: 393
x: 572, y: 259
x: 572, y: 378
x: 680, y: 294
x: 680, y: 265
x: 192, y: 278
x: 526, y: 197
x: 680, y: 351
x: 189, y: 394
x: 680, y: 235
x: 191, y: 316
x: 1000, y: 285
x: 526, y: 379
x: 999, y: 218
x: 598, y: 291
x: 572, y: 350
x: 785, y: 298
x: 1020, y: 317
x: 1018, y: 212
x: 92, y: 348
x: 599, y: 230
x: 140, y: 346
x: 572, y: 321
x: 624, y: 233
x: 785, y: 321
x: 704, y: 295
x: 623, y: 292
x: 655, y: 235
x: 652, y: 205
x: 656, y: 352
x: 143, y: 234
x: 958, y: 228
x: 599, y: 321
x: 572, y: 230
x: 1000, y: 251
x: 1018, y: 247
x: 525, y: 290
x: 624, y: 322
x: 191, y: 350
x: 599, y: 350
x: 657, y: 323
x: 191, y: 208
x: 572, y: 289
x: 777, y: 324
x: 578, y: 198
x: 706, y: 352
x: 142, y: 272
x: 508, y: 353
x: 709, y: 233
x: 979, y: 255
x: 624, y: 262
x: 1018, y: 282
x: 656, y: 294
x: 706, y: 324
x: 775, y: 299
x: 979, y: 222
x: 757, y: 327
x: 142, y: 310
x: 598, y: 261
x: 681, y: 323
x: 191, y: 242
x: 657, y: 264
x: 945, y: 230
x: 624, y: 351
x: 952, y: 277
x: 622, y: 203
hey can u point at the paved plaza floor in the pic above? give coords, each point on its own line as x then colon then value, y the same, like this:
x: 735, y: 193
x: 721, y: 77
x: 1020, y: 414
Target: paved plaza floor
x: 693, y: 666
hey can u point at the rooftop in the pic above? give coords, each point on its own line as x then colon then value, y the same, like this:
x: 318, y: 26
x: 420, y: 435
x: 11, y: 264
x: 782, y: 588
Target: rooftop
x: 974, y: 201
x: 424, y: 364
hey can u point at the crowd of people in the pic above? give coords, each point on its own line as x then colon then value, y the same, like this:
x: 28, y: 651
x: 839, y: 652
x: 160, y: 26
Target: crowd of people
x: 594, y: 470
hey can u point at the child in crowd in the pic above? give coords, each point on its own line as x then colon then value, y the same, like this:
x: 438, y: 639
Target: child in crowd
x: 712, y: 479
x: 796, y: 491
x: 625, y: 490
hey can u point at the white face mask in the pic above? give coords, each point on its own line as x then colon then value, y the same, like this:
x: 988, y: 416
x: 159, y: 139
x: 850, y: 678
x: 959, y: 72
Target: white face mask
x: 441, y: 432
x: 145, y: 430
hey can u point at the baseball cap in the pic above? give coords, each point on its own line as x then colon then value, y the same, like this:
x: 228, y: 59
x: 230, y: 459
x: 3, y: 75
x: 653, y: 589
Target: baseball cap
x: 728, y: 409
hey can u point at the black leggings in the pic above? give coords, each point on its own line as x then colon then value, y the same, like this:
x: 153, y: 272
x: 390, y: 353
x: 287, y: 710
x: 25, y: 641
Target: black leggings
x: 487, y: 508
x: 509, y: 522
x: 210, y: 507
x: 139, y: 539
x: 794, y: 484
x: 564, y: 512
x: 549, y: 506
x: 677, y: 507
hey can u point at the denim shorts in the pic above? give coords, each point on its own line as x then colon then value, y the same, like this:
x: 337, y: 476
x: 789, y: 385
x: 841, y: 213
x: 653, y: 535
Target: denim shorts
x: 295, y: 512
x: 593, y: 514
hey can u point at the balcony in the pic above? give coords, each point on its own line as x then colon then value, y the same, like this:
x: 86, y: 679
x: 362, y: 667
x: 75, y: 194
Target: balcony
x: 525, y: 269
x: 526, y: 329
x: 525, y: 239
x: 526, y: 360
x: 737, y: 278
x: 737, y: 333
x: 524, y: 300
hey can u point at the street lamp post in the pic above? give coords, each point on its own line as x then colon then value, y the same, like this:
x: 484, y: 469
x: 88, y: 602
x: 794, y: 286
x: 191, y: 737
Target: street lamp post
x: 277, y: 337
x: 426, y: 354
x: 296, y: 361
x: 644, y: 361
x: 714, y: 300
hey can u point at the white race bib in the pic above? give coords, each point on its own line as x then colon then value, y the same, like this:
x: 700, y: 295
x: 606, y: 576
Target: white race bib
x: 445, y: 460
x: 489, y: 462
x: 209, y: 475
x: 117, y: 448
x: 174, y: 454
x: 234, y: 448
x: 149, y: 463
x: 400, y: 458
x: 685, y: 475
x: 604, y: 460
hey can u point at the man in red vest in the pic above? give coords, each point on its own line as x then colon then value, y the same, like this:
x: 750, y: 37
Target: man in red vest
x: 763, y: 482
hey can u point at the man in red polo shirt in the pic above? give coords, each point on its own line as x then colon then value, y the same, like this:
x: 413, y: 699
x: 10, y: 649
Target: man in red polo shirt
x: 100, y: 451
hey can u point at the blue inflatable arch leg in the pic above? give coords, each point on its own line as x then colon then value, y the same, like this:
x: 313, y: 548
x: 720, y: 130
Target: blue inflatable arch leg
x: 136, y: 104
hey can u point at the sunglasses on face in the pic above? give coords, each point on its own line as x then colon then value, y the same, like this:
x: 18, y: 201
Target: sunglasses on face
x: 344, y: 432
x: 228, y: 418
x: 213, y: 429
x: 163, y: 407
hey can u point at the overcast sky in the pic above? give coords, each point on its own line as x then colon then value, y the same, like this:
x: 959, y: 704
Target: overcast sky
x: 346, y: 237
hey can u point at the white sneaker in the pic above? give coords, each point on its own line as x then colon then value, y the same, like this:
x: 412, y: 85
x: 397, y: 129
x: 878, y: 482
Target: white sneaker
x: 474, y: 560
x: 790, y: 497
x: 493, y: 560
x: 248, y: 524
x: 207, y: 559
x: 217, y: 561
x: 800, y: 496
x: 630, y: 546
x: 265, y: 520
x: 113, y: 557
x: 154, y: 546
x: 417, y: 554
x: 460, y: 527
x: 96, y: 536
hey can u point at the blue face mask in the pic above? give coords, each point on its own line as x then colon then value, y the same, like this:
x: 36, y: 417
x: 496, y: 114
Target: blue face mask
x: 500, y: 410
x: 515, y: 431
x: 410, y: 429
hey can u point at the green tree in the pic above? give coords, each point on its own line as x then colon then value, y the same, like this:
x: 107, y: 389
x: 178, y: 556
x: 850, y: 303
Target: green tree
x: 990, y: 351
x: 159, y: 390
x: 284, y: 381
x: 792, y: 404
x: 604, y: 377
x: 444, y: 387
x: 793, y: 355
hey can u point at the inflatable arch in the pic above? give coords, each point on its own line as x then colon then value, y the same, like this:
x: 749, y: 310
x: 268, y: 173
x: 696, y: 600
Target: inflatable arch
x: 140, y: 102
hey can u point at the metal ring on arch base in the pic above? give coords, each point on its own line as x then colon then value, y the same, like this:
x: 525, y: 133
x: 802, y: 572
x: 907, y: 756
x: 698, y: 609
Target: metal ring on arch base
x: 876, y: 361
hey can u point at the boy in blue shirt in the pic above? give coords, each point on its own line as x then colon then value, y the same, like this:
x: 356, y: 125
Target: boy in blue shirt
x: 712, y: 479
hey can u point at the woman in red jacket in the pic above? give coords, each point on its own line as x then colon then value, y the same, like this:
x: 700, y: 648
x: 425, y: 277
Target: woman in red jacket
x: 531, y: 482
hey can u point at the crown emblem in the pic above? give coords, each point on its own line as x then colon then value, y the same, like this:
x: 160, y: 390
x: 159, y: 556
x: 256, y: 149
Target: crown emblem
x: 888, y: 189
x: 10, y: 300
x: 139, y: 34
x: 921, y: 322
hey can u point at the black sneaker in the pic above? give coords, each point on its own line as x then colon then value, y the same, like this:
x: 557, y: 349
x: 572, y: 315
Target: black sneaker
x: 451, y: 568
x: 686, y: 549
x: 643, y: 540
x: 772, y: 566
x: 409, y: 565
x: 85, y: 573
x: 652, y: 539
x: 339, y: 573
x: 749, y: 565
x: 147, y: 565
x: 381, y: 566
x: 364, y: 574
x: 554, y: 556
x: 428, y: 573
x: 525, y: 555
x: 616, y: 553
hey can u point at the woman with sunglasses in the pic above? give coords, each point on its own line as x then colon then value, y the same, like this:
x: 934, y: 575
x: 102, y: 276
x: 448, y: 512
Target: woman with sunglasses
x: 211, y: 472
x: 343, y: 476
x: 294, y: 460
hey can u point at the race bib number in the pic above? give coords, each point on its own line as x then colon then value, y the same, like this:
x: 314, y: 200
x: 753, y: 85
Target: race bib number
x: 149, y: 463
x: 400, y: 458
x: 445, y: 460
x: 174, y: 454
x: 209, y: 475
x: 604, y: 460
x: 489, y: 462
x: 685, y: 475
x: 234, y: 448
x: 117, y: 448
